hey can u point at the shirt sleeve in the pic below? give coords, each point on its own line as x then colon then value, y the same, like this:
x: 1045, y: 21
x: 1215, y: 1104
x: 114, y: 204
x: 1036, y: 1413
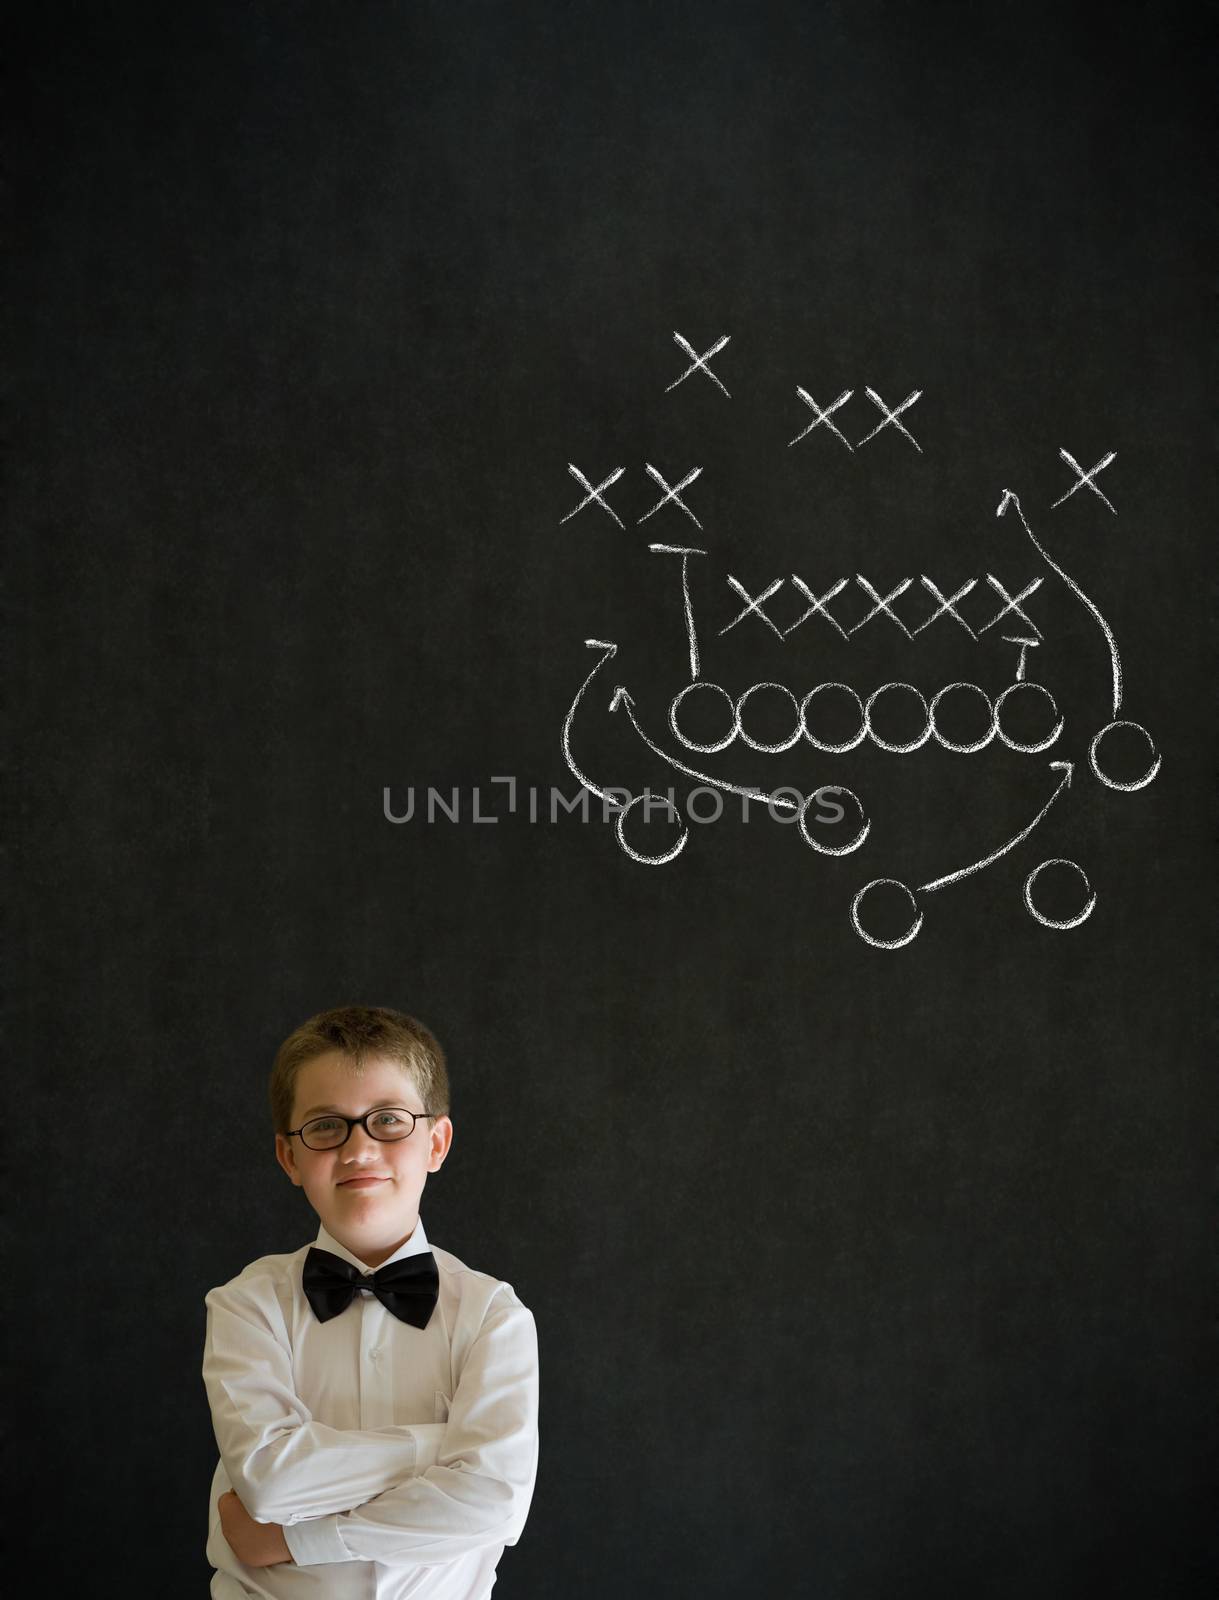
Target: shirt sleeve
x: 478, y: 1490
x: 282, y: 1464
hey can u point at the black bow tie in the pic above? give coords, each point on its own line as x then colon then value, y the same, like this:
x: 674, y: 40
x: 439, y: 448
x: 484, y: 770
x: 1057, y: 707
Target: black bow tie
x: 408, y: 1287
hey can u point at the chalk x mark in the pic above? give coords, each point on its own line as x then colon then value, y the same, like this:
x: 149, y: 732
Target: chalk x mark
x: 818, y: 605
x: 753, y: 604
x: 946, y: 607
x: 1085, y: 478
x: 1067, y: 768
x: 594, y: 495
x: 822, y: 418
x: 1008, y: 498
x: 699, y: 363
x: 881, y: 605
x: 672, y: 492
x: 891, y: 417
x: 1011, y: 604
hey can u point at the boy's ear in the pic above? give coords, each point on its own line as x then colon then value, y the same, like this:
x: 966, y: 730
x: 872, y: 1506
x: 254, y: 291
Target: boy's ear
x: 286, y: 1156
x: 441, y: 1139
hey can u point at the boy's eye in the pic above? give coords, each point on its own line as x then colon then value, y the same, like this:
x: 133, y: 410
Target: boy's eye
x: 387, y: 1119
x: 325, y: 1125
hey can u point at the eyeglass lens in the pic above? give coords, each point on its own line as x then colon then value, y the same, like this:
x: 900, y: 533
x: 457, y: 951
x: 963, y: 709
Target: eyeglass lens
x: 388, y: 1124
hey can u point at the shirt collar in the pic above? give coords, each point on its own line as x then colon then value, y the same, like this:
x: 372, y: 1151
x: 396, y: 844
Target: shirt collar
x: 415, y: 1245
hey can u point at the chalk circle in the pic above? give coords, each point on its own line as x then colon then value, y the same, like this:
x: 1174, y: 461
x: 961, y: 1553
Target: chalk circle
x: 976, y: 744
x: 1057, y: 922
x: 637, y: 855
x: 831, y: 849
x: 1015, y: 744
x: 693, y: 744
x: 822, y: 744
x: 1112, y: 783
x: 757, y: 744
x: 886, y: 944
x: 884, y: 744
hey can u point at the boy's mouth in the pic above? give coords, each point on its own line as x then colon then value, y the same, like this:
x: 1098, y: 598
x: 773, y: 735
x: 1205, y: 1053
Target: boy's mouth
x: 360, y: 1183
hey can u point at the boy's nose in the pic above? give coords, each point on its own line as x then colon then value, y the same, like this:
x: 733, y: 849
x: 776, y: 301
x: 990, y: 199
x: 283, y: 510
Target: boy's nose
x: 360, y: 1145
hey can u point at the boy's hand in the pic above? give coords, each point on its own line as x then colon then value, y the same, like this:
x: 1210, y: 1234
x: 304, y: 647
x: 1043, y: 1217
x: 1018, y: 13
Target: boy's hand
x: 258, y: 1544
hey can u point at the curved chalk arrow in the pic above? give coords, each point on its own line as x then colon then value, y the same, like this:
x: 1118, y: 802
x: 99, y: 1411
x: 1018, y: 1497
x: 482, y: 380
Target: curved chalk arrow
x: 623, y: 696
x: 610, y: 650
x: 1067, y: 768
x: 1008, y: 498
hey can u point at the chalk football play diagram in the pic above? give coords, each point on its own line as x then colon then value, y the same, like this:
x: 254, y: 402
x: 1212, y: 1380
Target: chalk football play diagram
x: 982, y: 607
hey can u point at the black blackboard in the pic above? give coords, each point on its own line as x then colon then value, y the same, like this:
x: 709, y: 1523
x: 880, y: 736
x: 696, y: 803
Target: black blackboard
x: 862, y: 1266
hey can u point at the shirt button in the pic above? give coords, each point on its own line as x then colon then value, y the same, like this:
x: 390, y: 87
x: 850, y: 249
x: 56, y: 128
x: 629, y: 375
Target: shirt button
x: 375, y: 1353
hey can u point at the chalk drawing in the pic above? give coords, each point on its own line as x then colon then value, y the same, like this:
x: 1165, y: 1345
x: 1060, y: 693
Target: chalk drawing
x: 872, y: 939
x: 1066, y: 768
x: 1021, y: 717
x: 671, y: 492
x: 663, y: 857
x: 1085, y: 479
x: 623, y: 697
x: 685, y: 552
x: 608, y: 651
x: 1010, y: 604
x: 594, y: 495
x: 699, y: 363
x: 1111, y: 782
x: 1025, y: 646
x: 834, y: 850
x: 947, y: 608
x: 753, y: 605
x: 882, y: 606
x: 1010, y: 499
x: 1025, y: 688
x: 821, y: 419
x: 890, y: 417
x: 973, y: 746
x: 1058, y: 922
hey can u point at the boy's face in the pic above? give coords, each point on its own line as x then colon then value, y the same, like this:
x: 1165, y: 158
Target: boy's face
x: 367, y: 1191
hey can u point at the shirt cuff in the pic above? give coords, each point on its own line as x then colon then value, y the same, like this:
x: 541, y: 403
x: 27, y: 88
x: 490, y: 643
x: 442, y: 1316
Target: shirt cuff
x: 429, y: 1436
x: 316, y: 1541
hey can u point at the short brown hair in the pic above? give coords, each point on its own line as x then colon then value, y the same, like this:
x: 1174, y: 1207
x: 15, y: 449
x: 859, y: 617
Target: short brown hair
x: 362, y: 1033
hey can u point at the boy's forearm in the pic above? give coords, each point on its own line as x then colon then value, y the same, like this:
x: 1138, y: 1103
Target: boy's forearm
x: 315, y: 1471
x: 478, y: 1491
x: 438, y: 1516
x: 284, y: 1465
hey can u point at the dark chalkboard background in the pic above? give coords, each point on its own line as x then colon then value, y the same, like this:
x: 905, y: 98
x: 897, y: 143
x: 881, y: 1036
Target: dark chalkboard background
x: 857, y: 1272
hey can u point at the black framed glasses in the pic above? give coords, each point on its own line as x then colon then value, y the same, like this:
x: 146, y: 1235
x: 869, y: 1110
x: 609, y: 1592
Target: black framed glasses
x: 385, y: 1123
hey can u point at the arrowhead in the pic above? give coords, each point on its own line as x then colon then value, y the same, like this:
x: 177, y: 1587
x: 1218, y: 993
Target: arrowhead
x: 621, y: 694
x: 1005, y: 500
x: 1068, y: 767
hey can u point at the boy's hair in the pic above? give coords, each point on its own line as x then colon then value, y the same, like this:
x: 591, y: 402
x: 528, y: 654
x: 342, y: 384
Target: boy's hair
x: 362, y: 1033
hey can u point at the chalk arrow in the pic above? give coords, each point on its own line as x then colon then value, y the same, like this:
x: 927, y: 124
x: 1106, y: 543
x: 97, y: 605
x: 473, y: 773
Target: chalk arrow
x: 1066, y: 768
x: 1009, y: 499
x: 609, y: 651
x: 623, y: 697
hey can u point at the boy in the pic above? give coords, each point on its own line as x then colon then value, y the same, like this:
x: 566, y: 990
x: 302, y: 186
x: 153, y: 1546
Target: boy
x: 374, y: 1401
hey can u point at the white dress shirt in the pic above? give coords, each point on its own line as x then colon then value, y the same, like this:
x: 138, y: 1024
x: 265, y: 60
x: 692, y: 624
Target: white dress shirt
x: 399, y: 1460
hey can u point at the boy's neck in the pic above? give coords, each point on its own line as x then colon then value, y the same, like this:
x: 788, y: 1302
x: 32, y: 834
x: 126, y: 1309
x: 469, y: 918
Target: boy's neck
x: 375, y: 1255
